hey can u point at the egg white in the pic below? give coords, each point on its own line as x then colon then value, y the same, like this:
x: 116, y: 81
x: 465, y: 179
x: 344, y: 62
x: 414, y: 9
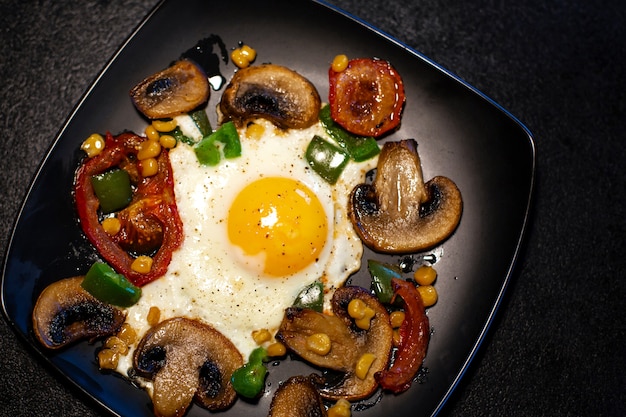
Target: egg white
x: 206, y: 279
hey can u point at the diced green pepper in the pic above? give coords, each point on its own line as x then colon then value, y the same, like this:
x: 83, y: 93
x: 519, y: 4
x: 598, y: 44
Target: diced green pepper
x: 201, y: 120
x: 249, y: 380
x: 382, y: 273
x: 224, y: 140
x: 327, y: 160
x: 108, y: 286
x: 360, y: 148
x: 113, y: 190
x: 181, y: 137
x: 311, y: 296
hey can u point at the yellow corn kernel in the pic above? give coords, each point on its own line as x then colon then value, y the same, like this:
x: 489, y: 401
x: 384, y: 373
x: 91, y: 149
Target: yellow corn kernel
x: 149, y: 167
x: 361, y: 313
x: 425, y: 275
x: 151, y: 133
x: 93, y: 145
x: 276, y: 350
x: 255, y: 131
x: 154, y: 316
x: 396, y: 318
x: 127, y: 334
x: 243, y: 56
x: 164, y: 125
x: 108, y: 359
x: 248, y: 52
x: 148, y: 149
x: 340, y: 409
x: 142, y: 264
x: 261, y: 336
x: 116, y: 345
x: 428, y: 294
x: 395, y: 337
x: 112, y: 225
x: 340, y: 63
x: 167, y: 141
x: 364, y: 364
x: 318, y: 343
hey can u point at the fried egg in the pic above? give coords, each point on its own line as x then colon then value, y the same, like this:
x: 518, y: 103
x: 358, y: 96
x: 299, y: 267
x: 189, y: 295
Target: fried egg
x: 257, y: 230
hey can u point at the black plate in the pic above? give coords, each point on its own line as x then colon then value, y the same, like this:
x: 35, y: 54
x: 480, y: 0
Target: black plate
x: 461, y: 134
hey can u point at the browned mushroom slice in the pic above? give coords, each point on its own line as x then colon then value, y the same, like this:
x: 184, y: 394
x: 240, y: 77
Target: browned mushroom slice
x: 187, y: 359
x: 177, y: 89
x: 398, y: 213
x: 65, y: 313
x: 297, y: 397
x: 272, y: 92
x: 348, y: 343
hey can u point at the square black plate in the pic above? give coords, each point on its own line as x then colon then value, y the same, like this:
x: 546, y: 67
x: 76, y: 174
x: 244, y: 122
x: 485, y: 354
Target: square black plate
x: 461, y: 134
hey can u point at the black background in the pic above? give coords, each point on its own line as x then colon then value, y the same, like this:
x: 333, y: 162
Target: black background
x: 557, y: 346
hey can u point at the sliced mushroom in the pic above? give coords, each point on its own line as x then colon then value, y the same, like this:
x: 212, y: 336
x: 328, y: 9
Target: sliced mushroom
x: 398, y: 213
x: 297, y: 397
x: 272, y: 92
x: 348, y: 342
x: 187, y: 360
x: 177, y: 89
x: 65, y: 313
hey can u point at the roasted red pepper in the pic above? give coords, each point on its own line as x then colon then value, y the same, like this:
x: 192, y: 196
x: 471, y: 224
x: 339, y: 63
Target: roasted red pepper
x: 367, y: 97
x: 153, y: 203
x: 414, y: 337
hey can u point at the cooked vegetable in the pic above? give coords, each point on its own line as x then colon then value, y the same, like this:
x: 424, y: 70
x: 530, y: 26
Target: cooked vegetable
x: 360, y: 148
x: 367, y: 97
x: 187, y: 360
x: 150, y: 224
x: 381, y: 274
x: 201, y: 121
x: 224, y: 140
x: 108, y: 286
x: 65, y: 313
x: 297, y: 397
x: 113, y: 190
x: 425, y: 275
x: 249, y: 380
x: 327, y: 160
x: 177, y: 89
x: 93, y: 145
x: 398, y: 213
x: 414, y: 337
x: 312, y: 296
x: 272, y: 92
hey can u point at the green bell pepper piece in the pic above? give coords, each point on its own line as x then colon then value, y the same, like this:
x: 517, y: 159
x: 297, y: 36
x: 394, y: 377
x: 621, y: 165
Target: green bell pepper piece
x: 201, y: 120
x: 326, y: 159
x: 113, y: 190
x: 108, y: 286
x: 311, y: 296
x: 224, y: 140
x: 360, y: 148
x: 249, y: 380
x: 381, y: 274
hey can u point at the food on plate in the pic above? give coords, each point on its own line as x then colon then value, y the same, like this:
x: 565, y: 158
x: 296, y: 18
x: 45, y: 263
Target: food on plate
x: 187, y: 360
x: 366, y: 96
x: 65, y: 313
x: 273, y: 92
x: 227, y: 248
x: 399, y: 213
x: 177, y: 89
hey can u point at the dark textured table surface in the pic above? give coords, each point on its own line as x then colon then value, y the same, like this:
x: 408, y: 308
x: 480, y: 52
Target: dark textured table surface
x: 557, y: 346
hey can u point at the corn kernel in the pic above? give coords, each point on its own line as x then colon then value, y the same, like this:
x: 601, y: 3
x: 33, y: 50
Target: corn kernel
x: 149, y: 167
x: 361, y: 313
x: 151, y: 133
x: 112, y: 225
x: 127, y: 334
x: 164, y: 125
x: 148, y: 149
x: 108, y: 359
x: 425, y: 275
x: 142, y: 264
x: 243, y: 56
x: 276, y: 350
x: 261, y: 336
x: 428, y: 294
x: 318, y: 343
x: 248, y: 52
x: 340, y: 409
x: 396, y: 318
x: 255, y: 131
x: 395, y: 337
x: 364, y: 364
x: 340, y: 63
x: 93, y: 145
x: 116, y: 345
x: 167, y: 141
x: 154, y: 316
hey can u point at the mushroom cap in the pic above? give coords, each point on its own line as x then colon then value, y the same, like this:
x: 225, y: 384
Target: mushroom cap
x: 65, y: 313
x: 398, y: 213
x: 272, y: 92
x: 187, y: 360
x: 297, y: 397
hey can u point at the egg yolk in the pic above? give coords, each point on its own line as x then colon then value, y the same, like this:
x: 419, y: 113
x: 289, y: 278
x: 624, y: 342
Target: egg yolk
x: 280, y: 219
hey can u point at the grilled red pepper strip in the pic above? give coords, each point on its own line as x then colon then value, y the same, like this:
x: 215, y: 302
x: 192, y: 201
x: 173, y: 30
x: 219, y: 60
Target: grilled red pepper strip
x: 414, y: 337
x: 153, y: 195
